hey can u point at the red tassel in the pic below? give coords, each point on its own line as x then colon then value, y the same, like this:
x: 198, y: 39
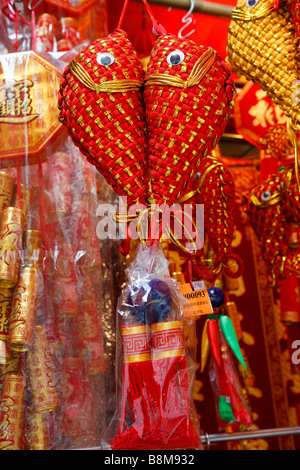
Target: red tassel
x: 175, y: 429
x: 213, y: 337
x: 139, y: 392
x: 231, y: 379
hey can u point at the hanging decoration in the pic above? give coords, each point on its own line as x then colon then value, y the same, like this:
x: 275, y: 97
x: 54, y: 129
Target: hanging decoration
x: 219, y: 339
x: 28, y: 113
x: 272, y: 208
x: 140, y: 133
x: 101, y: 105
x: 264, y: 47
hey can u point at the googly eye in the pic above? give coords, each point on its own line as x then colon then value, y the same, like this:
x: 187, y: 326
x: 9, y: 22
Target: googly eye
x: 265, y: 196
x: 175, y: 57
x: 251, y: 3
x: 105, y: 59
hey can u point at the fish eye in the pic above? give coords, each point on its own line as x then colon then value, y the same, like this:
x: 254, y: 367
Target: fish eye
x: 251, y: 3
x: 175, y: 57
x: 265, y: 196
x: 105, y: 59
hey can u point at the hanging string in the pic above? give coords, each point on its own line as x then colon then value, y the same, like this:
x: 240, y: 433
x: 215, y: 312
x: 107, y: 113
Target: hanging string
x: 16, y: 29
x: 19, y: 185
x: 33, y: 28
x: 158, y: 28
x: 123, y: 14
x: 33, y: 21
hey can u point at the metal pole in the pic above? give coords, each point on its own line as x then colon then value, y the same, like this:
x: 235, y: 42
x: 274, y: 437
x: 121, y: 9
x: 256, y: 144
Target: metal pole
x: 205, y: 8
x: 238, y: 436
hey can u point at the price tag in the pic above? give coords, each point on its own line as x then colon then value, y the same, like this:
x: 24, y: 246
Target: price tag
x: 198, y: 301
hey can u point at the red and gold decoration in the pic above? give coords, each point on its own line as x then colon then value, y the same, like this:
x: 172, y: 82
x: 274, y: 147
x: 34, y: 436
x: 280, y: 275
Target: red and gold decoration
x: 261, y: 36
x: 12, y: 412
x: 272, y: 209
x: 28, y: 108
x: 23, y: 312
x: 104, y: 113
x: 41, y: 376
x: 188, y: 96
x: 11, y: 232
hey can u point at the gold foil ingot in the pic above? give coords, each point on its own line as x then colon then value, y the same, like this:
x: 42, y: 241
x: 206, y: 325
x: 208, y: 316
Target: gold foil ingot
x: 11, y: 232
x: 41, y: 378
x: 12, y: 412
x: 7, y: 184
x: 23, y: 313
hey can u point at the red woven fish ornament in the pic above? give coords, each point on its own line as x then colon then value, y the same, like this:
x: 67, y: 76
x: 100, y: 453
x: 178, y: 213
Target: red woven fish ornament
x: 272, y: 208
x: 215, y: 189
x: 188, y: 98
x: 101, y: 104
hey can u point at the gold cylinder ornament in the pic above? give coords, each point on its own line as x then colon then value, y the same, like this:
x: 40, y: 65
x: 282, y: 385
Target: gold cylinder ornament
x: 23, y: 312
x: 33, y: 248
x: 36, y: 431
x: 26, y: 196
x: 11, y: 233
x: 41, y: 373
x: 7, y: 184
x: 12, y: 412
x: 2, y: 352
x: 6, y: 296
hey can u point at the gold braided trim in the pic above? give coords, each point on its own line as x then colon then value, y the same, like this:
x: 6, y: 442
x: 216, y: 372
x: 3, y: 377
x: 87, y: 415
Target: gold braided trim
x: 198, y: 71
x: 149, y: 213
x: 112, y: 86
x: 169, y: 325
x: 193, y: 193
x: 137, y: 358
x: 134, y: 330
x: 232, y: 264
x: 167, y: 354
x: 240, y: 15
x: 274, y: 199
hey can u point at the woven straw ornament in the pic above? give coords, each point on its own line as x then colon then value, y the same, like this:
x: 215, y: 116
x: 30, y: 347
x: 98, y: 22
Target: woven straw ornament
x: 272, y: 209
x: 264, y: 47
x: 101, y: 104
x: 189, y: 93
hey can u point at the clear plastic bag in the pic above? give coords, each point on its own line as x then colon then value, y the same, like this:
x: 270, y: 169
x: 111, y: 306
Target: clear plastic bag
x: 155, y: 369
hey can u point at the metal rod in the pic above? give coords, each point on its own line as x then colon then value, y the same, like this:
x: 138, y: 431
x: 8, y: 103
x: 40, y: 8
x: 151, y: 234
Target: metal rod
x: 238, y: 436
x: 205, y: 8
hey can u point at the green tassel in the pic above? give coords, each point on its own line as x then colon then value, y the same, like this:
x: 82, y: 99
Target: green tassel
x: 230, y: 336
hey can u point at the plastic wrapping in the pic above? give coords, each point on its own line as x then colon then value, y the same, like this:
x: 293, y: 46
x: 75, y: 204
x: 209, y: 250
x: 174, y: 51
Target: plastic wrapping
x: 230, y: 404
x: 155, y: 366
x: 58, y: 280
